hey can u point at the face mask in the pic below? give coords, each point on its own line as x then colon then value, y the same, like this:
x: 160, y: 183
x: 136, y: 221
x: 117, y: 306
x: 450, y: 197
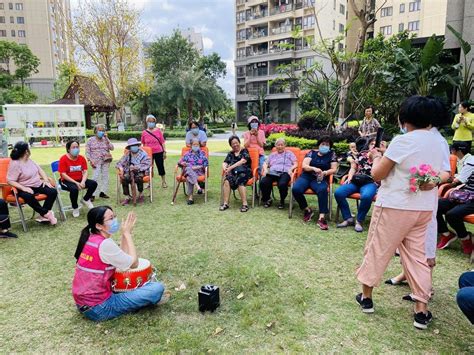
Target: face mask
x: 195, y: 149
x: 324, y: 149
x: 75, y: 152
x: 114, y: 226
x: 134, y: 148
x: 100, y: 134
x: 403, y: 130
x: 151, y: 125
x: 3, y: 124
x: 195, y: 131
x: 254, y: 125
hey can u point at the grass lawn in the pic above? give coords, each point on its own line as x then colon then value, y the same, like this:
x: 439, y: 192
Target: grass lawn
x: 298, y: 286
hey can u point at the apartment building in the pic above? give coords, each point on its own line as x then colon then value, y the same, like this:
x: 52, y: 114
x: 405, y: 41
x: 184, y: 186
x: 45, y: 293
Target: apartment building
x: 195, y: 38
x: 264, y: 41
x: 41, y: 25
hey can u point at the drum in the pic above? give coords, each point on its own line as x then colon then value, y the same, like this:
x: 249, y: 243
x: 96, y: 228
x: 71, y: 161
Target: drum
x: 129, y: 280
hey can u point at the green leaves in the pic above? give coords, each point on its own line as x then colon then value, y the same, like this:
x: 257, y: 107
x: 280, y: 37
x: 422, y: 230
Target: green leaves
x: 431, y: 52
x: 465, y: 46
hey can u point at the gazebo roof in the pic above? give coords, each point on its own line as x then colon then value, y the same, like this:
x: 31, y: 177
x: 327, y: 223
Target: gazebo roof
x: 89, y: 95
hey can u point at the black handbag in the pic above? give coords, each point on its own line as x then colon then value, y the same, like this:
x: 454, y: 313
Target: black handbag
x: 361, y: 179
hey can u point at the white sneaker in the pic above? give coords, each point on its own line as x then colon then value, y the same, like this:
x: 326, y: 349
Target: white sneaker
x: 87, y: 203
x: 52, y: 219
x: 75, y: 212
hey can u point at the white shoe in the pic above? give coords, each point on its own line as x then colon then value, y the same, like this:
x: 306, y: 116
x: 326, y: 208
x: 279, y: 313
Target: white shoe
x: 87, y: 203
x: 75, y: 212
x: 52, y: 219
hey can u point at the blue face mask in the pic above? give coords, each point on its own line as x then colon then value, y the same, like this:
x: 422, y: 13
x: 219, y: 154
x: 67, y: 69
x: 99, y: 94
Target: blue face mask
x: 195, y: 148
x: 3, y: 124
x: 195, y: 131
x: 100, y: 134
x: 151, y: 125
x: 134, y: 148
x: 403, y: 130
x: 114, y: 226
x: 75, y: 152
x: 254, y: 125
x: 324, y: 149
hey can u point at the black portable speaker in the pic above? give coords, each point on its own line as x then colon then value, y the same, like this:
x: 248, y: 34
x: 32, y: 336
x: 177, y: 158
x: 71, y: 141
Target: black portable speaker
x: 208, y: 297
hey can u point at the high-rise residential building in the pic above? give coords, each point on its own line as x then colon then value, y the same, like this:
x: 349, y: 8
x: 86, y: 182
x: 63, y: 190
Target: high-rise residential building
x: 195, y: 38
x: 41, y: 25
x: 264, y: 41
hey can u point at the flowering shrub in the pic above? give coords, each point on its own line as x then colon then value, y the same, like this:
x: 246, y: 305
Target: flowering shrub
x: 277, y: 128
x: 422, y: 175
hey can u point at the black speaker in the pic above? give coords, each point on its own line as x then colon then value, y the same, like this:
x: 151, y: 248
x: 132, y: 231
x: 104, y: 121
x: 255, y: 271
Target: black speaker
x: 208, y: 297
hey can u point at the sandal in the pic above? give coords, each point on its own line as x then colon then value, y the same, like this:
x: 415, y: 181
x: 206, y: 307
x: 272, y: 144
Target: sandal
x: 164, y: 185
x: 244, y: 208
x: 267, y: 204
x: 223, y: 207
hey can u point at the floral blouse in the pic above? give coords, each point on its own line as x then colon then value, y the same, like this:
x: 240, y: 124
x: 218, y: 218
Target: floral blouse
x: 195, y: 159
x: 364, y: 164
x: 141, y: 159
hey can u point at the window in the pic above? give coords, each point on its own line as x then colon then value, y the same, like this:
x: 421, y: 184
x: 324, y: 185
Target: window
x: 340, y: 47
x: 13, y: 33
x: 334, y: 25
x: 2, y: 19
x: 386, y: 11
x: 1, y: 5
x: 341, y: 28
x: 342, y: 9
x: 20, y: 20
x: 10, y: 6
x: 414, y: 26
x: 3, y: 33
x: 309, y: 62
x: 240, y: 16
x: 401, y: 27
x: 402, y: 8
x: 309, y: 21
x: 386, y: 30
x: 19, y: 6
x: 414, y: 6
x: 240, y: 52
x: 334, y: 4
x: 21, y: 33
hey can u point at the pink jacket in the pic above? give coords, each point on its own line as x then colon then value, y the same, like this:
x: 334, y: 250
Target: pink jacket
x: 148, y: 140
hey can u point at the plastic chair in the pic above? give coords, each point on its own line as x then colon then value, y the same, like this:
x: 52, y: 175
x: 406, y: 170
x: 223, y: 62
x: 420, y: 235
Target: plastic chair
x: 453, y: 160
x: 57, y: 178
x: 299, y: 171
x: 354, y: 196
x: 146, y: 179
x: 181, y: 179
x: 10, y: 193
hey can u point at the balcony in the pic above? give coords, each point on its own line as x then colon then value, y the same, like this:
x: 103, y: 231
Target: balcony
x: 258, y: 34
x: 256, y: 73
x: 282, y: 9
x: 282, y: 29
x: 257, y: 15
x: 251, y: 53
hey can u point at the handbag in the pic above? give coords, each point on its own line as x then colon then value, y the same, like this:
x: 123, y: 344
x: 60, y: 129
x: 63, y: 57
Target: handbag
x: 108, y: 157
x: 461, y: 196
x: 361, y: 179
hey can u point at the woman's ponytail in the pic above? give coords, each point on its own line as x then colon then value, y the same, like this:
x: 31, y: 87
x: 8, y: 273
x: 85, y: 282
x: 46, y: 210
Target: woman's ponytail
x: 85, y: 233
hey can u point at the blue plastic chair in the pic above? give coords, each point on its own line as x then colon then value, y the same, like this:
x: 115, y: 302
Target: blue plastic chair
x: 62, y: 208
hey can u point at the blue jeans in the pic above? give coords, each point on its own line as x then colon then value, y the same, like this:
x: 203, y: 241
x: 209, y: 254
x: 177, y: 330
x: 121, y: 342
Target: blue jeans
x: 367, y: 193
x: 465, y: 297
x: 121, y: 303
x: 305, y: 182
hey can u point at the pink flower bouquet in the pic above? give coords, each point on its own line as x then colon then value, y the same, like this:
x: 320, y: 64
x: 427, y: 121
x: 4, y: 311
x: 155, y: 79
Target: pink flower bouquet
x: 422, y: 175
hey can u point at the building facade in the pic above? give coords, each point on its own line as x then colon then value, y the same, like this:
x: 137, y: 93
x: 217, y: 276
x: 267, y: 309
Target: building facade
x: 41, y: 25
x: 264, y: 41
x: 195, y: 38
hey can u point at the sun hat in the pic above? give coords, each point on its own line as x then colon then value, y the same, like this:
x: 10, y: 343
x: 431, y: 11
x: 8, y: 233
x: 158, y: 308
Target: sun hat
x: 133, y: 141
x: 251, y: 118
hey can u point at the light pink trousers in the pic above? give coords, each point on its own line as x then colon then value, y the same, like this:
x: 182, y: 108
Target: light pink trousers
x: 406, y: 230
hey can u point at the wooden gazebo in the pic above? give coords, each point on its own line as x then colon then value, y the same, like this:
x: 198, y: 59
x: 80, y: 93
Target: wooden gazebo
x: 84, y: 91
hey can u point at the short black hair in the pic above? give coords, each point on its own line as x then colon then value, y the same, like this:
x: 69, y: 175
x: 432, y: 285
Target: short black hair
x: 325, y: 139
x: 193, y: 123
x: 442, y: 117
x: 461, y: 147
x: 418, y: 111
x: 19, y: 150
x: 231, y: 138
x: 371, y: 107
x: 467, y: 105
x: 68, y: 144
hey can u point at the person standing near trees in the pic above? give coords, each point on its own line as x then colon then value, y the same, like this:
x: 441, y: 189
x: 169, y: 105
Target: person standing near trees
x: 369, y: 125
x: 153, y: 137
x: 463, y: 125
x: 255, y: 138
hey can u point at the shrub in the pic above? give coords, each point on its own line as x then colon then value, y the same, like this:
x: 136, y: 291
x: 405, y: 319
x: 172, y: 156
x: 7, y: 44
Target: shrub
x: 303, y: 143
x: 123, y: 136
x: 277, y: 128
x: 312, y: 120
x: 348, y: 135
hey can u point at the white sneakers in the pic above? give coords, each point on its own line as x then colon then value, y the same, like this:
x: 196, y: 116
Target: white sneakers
x: 75, y: 212
x: 87, y: 203
x: 48, y: 217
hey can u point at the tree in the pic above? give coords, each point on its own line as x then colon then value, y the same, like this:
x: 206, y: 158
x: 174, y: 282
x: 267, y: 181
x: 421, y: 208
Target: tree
x: 212, y: 66
x: 466, y: 86
x: 67, y: 71
x: 107, y: 36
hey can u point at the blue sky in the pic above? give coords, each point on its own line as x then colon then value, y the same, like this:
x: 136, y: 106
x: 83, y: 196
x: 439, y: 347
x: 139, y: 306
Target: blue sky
x: 213, y: 18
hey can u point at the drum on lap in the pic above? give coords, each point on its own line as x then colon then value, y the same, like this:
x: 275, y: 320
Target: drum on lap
x: 131, y: 279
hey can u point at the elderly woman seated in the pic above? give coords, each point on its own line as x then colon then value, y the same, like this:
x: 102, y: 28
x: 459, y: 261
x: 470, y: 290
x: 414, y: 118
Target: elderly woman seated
x: 277, y: 168
x: 237, y: 172
x: 193, y: 163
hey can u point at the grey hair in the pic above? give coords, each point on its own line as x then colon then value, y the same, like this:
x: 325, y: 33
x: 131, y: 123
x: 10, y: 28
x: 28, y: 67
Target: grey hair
x: 98, y: 126
x: 282, y: 140
x: 150, y: 116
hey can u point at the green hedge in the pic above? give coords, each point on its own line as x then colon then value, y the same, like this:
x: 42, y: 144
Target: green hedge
x: 123, y: 136
x: 303, y: 143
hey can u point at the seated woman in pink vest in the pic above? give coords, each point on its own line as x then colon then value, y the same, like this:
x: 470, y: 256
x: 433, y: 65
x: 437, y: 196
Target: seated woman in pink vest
x: 97, y: 257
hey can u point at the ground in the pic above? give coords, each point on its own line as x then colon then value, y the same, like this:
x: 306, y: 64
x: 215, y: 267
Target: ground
x: 297, y: 282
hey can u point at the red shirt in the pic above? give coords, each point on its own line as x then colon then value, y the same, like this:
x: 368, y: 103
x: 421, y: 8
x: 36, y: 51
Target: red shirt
x: 73, y: 168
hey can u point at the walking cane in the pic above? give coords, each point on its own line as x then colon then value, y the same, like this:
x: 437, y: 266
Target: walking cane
x: 132, y: 180
x: 175, y: 193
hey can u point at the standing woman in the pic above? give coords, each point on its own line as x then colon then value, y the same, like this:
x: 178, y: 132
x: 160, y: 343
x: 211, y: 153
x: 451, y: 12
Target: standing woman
x: 97, y: 257
x: 369, y: 125
x: 73, y: 170
x: 401, y: 217
x: 29, y: 179
x: 98, y: 154
x: 255, y: 138
x: 195, y: 133
x: 153, y: 137
x: 463, y: 125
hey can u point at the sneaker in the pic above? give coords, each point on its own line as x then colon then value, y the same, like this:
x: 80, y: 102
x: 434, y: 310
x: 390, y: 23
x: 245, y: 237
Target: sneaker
x: 87, y: 203
x: 466, y: 245
x: 190, y: 202
x: 126, y: 201
x: 51, y: 218
x: 366, y: 304
x: 308, y: 214
x: 8, y: 234
x: 75, y: 212
x: 445, y: 240
x: 103, y: 195
x: 346, y: 223
x: 422, y: 320
x: 141, y: 199
x: 281, y: 205
x: 323, y: 225
x: 41, y: 219
x: 358, y: 228
x: 200, y: 191
x: 267, y: 204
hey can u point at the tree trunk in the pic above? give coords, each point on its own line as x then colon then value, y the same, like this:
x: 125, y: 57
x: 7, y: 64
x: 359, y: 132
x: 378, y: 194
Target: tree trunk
x: 343, y: 92
x: 190, y: 105
x: 201, y: 115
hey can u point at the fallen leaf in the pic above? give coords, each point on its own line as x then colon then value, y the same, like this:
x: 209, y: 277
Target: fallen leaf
x: 181, y: 287
x: 218, y: 330
x: 279, y: 275
x: 240, y: 296
x: 237, y: 336
x: 436, y: 331
x: 256, y: 283
x: 271, y: 324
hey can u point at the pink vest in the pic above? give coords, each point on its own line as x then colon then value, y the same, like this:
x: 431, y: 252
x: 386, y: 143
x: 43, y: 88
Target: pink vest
x: 92, y: 280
